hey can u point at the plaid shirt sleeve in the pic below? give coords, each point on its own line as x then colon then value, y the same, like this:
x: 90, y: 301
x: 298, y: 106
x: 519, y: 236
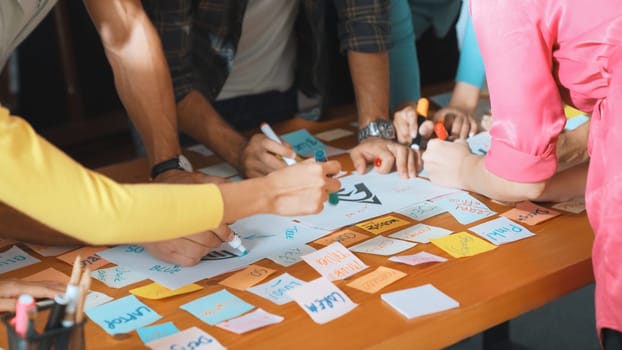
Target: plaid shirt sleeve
x: 364, y: 25
x: 172, y: 19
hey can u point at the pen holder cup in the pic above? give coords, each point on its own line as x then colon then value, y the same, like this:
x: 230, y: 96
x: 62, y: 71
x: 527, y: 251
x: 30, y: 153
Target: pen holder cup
x: 63, y: 338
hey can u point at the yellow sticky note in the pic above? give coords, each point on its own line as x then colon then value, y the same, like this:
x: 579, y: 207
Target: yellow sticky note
x: 530, y: 213
x: 462, y: 244
x: 88, y: 256
x: 383, y: 224
x: 247, y: 278
x: 571, y: 112
x: 377, y: 279
x: 345, y: 237
x: 157, y: 291
x: 49, y: 274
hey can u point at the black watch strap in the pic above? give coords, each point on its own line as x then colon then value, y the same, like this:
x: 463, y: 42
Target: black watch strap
x: 176, y: 163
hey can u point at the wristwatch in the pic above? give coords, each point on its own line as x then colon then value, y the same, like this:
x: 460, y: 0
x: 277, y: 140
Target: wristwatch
x: 379, y: 128
x: 179, y: 162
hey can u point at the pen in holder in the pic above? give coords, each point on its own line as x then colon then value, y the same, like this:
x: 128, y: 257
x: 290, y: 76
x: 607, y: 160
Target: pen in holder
x: 59, y: 338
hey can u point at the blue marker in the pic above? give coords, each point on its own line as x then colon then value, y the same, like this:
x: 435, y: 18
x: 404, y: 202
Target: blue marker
x: 320, y: 157
x: 237, y: 246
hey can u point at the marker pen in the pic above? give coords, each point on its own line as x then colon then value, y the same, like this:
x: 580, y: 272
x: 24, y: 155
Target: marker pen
x: 267, y: 130
x: 58, y: 312
x: 25, y: 303
x: 237, y: 246
x: 422, y: 110
x: 320, y: 157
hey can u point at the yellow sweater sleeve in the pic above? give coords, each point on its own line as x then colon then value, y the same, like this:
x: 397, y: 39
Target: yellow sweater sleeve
x: 39, y: 180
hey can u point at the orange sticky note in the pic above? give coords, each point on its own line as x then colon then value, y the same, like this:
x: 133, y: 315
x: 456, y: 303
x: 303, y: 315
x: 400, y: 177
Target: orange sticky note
x: 530, y: 213
x: 377, y: 279
x: 247, y: 278
x: 88, y: 256
x: 383, y: 224
x: 49, y: 274
x: 155, y: 291
x: 345, y: 237
x: 462, y: 244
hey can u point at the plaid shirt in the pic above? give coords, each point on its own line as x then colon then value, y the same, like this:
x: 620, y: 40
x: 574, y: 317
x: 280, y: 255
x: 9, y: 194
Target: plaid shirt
x: 200, y: 39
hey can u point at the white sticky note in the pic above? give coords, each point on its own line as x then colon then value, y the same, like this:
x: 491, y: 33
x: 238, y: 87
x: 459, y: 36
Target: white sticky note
x: 333, y: 134
x: 335, y: 262
x: 501, y: 230
x: 576, y: 205
x: 201, y: 149
x: 381, y: 245
x: 422, y: 210
x: 322, y: 300
x: 464, y: 207
x: 222, y: 170
x: 191, y: 338
x: 421, y: 233
x: 416, y: 259
x: 276, y: 289
x: 251, y: 321
x: 94, y: 298
x: 419, y: 301
x: 292, y: 255
x: 117, y: 276
x: 15, y: 258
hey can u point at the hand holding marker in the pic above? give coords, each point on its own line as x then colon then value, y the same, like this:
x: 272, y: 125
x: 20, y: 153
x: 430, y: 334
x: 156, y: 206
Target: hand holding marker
x: 267, y: 130
x: 320, y: 157
x: 423, y: 106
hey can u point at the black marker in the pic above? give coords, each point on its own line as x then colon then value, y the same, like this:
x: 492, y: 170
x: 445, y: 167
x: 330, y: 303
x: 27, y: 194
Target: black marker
x: 58, y: 312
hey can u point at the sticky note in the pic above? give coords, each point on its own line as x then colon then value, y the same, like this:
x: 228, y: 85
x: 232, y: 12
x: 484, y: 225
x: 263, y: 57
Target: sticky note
x: 149, y: 334
x: 322, y: 300
x: 95, y: 298
x: 335, y: 262
x: 276, y: 289
x: 222, y: 170
x: 501, y: 230
x: 421, y: 233
x: 217, y: 307
x: 202, y: 150
x: 122, y: 315
x: 382, y: 245
x: 88, y: 255
x: 416, y: 259
x: 251, y: 321
x: 191, y: 338
x: 530, y: 213
x: 15, y: 258
x: 156, y: 291
x: 576, y: 205
x: 422, y: 210
x: 383, y: 224
x: 346, y: 237
x: 377, y: 279
x: 49, y: 274
x: 464, y: 207
x: 303, y: 142
x: 292, y: 255
x: 462, y: 244
x: 333, y: 134
x: 46, y: 250
x: 117, y: 276
x: 419, y: 301
x: 248, y: 277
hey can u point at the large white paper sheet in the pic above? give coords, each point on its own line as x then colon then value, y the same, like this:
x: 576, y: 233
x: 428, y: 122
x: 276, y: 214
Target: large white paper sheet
x: 365, y: 196
x: 262, y: 235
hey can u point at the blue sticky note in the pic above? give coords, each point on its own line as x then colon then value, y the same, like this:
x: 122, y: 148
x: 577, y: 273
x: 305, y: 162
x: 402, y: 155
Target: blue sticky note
x: 576, y: 121
x: 158, y: 331
x: 303, y: 143
x: 122, y: 315
x: 217, y: 307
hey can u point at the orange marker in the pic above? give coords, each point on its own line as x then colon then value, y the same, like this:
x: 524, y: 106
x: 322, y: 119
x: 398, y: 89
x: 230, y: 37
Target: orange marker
x: 423, y: 106
x: 378, y: 162
x: 440, y: 131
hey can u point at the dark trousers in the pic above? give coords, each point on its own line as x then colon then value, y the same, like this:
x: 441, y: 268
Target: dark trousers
x: 612, y: 339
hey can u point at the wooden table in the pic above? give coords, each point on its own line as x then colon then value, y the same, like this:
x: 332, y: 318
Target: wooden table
x: 491, y: 288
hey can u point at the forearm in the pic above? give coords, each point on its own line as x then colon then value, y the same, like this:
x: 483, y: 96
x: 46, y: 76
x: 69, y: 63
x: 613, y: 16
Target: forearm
x: 572, y: 147
x: 370, y: 76
x: 200, y: 120
x: 465, y: 97
x: 245, y: 198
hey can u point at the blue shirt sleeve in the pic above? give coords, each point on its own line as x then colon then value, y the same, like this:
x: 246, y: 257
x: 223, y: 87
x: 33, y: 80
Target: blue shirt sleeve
x: 471, y: 65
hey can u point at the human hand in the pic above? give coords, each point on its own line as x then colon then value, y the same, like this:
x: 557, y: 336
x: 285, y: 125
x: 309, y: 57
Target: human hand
x: 258, y: 157
x: 406, y: 125
x: 303, y: 188
x: 390, y: 153
x: 187, y: 251
x: 10, y: 290
x: 444, y: 162
x: 460, y: 123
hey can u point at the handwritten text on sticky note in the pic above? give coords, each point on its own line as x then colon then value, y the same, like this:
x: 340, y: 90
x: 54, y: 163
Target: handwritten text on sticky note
x: 88, y: 256
x: 463, y: 244
x: 464, y: 207
x: 335, y: 262
x: 248, y: 277
x: 345, y: 237
x: 381, y: 245
x: 530, y: 213
x: 122, y: 315
x: 377, y: 279
x: 15, y: 258
x: 191, y: 338
x: 382, y: 224
x: 322, y: 300
x: 217, y: 307
x: 501, y: 230
x: 421, y: 233
x: 422, y: 210
x: 276, y: 289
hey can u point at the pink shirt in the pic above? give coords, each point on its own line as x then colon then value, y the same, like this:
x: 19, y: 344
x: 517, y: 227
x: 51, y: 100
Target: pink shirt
x: 539, y: 54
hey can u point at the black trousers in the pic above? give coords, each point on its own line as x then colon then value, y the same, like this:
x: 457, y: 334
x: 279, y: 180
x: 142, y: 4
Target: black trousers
x: 612, y: 339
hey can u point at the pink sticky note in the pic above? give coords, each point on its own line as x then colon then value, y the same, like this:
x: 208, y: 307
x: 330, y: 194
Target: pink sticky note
x: 416, y: 259
x: 530, y: 213
x: 335, y: 262
x: 322, y: 300
x: 251, y: 321
x: 191, y: 338
x: 88, y: 256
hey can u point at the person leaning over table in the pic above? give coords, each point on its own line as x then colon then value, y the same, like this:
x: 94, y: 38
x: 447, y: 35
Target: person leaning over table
x: 538, y: 55
x: 45, y: 184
